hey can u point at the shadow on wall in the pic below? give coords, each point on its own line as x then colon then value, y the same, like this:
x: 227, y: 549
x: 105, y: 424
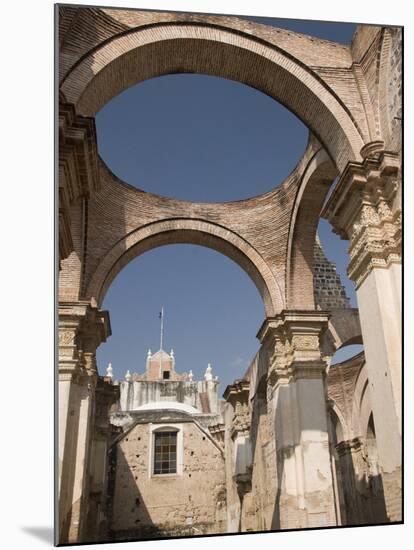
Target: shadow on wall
x: 132, y: 517
x: 67, y: 466
x: 361, y: 491
x: 259, y: 437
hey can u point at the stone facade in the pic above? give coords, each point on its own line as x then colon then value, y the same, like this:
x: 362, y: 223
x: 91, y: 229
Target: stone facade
x: 297, y: 441
x: 144, y: 503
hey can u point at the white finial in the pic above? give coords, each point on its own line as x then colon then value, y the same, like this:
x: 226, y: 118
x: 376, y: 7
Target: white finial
x: 208, y: 374
x: 128, y: 376
x: 149, y: 354
x: 109, y: 371
x: 216, y: 378
x: 190, y: 375
x: 172, y: 353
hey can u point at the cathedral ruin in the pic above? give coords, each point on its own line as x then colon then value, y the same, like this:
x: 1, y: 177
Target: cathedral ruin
x: 296, y: 441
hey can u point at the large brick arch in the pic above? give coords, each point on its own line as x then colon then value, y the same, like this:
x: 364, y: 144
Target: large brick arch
x: 167, y: 47
x: 188, y: 231
x: 315, y: 182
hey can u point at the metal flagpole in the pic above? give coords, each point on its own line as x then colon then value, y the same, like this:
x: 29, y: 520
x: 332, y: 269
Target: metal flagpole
x: 162, y: 325
x: 161, y: 335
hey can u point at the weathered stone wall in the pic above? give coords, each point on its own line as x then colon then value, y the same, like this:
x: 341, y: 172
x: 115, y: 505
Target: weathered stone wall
x: 350, y: 97
x: 394, y: 87
x: 354, y: 449
x: 200, y: 394
x: 146, y: 505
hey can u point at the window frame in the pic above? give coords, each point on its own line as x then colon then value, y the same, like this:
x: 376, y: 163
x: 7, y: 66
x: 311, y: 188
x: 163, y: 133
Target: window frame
x: 158, y: 429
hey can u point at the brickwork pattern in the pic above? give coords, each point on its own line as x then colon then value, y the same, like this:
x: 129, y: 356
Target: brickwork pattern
x: 329, y: 291
x: 349, y: 97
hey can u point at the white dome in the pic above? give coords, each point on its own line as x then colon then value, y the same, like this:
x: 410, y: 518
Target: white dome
x: 154, y: 405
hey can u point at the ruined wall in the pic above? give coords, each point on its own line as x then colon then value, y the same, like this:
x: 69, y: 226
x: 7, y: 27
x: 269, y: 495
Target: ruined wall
x: 354, y: 445
x: 377, y: 65
x: 264, y: 475
x: 233, y: 500
x: 146, y: 505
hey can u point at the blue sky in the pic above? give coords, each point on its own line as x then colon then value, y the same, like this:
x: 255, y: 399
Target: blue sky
x: 199, y: 138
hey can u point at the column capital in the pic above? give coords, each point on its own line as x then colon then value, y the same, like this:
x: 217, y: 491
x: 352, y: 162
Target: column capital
x: 237, y: 394
x: 295, y: 322
x: 363, y: 208
x: 82, y: 328
x: 293, y: 340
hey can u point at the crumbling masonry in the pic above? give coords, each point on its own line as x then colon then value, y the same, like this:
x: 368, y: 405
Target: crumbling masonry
x: 316, y: 445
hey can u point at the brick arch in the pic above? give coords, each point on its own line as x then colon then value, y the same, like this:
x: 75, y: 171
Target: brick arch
x: 186, y: 231
x: 344, y: 329
x: 163, y: 48
x: 361, y: 405
x: 314, y: 186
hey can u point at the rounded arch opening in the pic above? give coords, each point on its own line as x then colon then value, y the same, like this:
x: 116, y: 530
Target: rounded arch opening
x: 211, y: 314
x: 160, y: 49
x: 187, y: 231
x: 199, y: 138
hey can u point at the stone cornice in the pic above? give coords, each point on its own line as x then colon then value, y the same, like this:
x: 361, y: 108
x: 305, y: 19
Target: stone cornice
x: 362, y: 209
x: 294, y: 321
x: 77, y: 144
x: 236, y: 389
x: 293, y: 338
x: 78, y: 168
x: 82, y: 328
x: 356, y: 180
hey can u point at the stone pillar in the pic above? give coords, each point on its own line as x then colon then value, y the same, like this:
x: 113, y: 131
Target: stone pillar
x: 106, y: 395
x: 297, y: 397
x: 353, y: 475
x: 237, y: 394
x: 81, y: 329
x: 365, y: 208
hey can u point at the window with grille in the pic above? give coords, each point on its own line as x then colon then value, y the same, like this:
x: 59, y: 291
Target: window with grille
x: 165, y: 453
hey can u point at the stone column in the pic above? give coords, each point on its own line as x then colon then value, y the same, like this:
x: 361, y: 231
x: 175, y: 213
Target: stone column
x: 106, y: 395
x: 237, y: 394
x: 353, y: 475
x: 297, y: 397
x: 81, y: 329
x: 365, y: 208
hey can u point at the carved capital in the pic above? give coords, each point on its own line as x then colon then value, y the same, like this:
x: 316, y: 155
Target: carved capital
x: 363, y: 208
x: 81, y: 329
x: 238, y: 395
x: 293, y: 341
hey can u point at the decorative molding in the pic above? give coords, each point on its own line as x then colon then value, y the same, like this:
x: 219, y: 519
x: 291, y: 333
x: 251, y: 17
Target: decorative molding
x: 362, y: 209
x: 293, y: 340
x: 82, y: 328
x: 78, y: 168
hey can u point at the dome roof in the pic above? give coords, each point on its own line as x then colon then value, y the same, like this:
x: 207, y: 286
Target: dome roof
x: 156, y: 405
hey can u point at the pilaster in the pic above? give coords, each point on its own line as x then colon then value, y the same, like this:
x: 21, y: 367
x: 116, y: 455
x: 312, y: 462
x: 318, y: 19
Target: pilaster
x: 297, y: 393
x: 78, y: 168
x: 365, y: 208
x: 81, y: 329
